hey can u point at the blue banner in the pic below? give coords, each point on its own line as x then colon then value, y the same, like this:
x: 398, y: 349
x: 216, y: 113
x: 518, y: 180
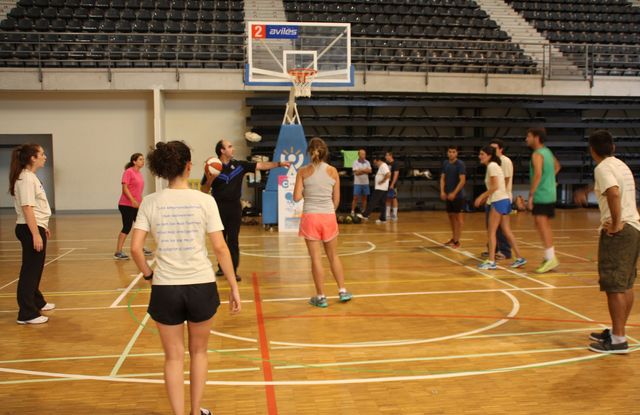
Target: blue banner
x: 281, y: 32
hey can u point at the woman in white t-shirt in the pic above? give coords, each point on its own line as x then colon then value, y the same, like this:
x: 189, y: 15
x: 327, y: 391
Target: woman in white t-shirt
x: 32, y: 229
x: 183, y: 284
x: 499, y: 204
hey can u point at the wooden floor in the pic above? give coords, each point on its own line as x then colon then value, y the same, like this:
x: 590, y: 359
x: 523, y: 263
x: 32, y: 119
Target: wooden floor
x: 426, y: 332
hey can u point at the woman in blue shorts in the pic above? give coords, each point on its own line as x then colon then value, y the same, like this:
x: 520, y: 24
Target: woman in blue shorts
x: 497, y: 200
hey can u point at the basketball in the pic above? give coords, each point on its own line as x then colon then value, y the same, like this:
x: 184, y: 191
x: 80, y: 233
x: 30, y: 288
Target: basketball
x: 213, y: 165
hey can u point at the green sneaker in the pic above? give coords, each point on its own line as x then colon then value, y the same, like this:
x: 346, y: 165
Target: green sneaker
x: 548, y: 265
x: 345, y: 296
x: 319, y: 301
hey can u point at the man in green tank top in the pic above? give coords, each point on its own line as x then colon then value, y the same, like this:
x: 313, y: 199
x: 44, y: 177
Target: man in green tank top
x: 542, y: 194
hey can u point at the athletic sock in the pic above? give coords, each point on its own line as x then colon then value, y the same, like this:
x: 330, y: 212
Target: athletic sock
x: 549, y: 253
x: 395, y: 212
x: 618, y: 339
x: 388, y: 212
x: 342, y: 290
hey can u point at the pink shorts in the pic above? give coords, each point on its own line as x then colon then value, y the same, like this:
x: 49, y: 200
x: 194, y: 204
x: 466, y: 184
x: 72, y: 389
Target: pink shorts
x: 318, y: 226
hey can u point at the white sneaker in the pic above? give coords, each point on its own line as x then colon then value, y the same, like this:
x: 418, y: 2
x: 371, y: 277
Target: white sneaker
x: 394, y: 218
x: 48, y: 307
x: 37, y: 320
x: 378, y: 221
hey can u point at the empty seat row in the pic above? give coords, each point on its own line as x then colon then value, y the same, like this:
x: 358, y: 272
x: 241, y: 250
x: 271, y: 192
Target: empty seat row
x: 127, y: 14
x: 387, y: 9
x: 138, y: 4
x: 124, y: 26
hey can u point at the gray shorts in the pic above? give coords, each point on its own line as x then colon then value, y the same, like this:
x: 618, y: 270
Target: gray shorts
x: 617, y: 257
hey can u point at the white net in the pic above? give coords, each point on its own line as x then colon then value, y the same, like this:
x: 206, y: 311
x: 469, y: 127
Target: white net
x: 302, y: 80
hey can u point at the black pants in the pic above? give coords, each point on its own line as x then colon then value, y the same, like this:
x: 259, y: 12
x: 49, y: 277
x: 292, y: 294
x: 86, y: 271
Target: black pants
x: 378, y: 200
x: 128, y: 214
x: 30, y: 299
x: 231, y: 215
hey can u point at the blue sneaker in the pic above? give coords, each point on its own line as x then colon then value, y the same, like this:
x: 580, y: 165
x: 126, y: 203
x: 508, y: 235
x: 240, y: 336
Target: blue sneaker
x: 488, y: 265
x: 120, y: 255
x: 519, y: 262
x: 345, y: 296
x: 319, y: 301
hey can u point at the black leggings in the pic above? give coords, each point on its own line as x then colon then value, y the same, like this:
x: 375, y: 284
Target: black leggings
x: 30, y: 299
x: 231, y: 215
x: 129, y: 214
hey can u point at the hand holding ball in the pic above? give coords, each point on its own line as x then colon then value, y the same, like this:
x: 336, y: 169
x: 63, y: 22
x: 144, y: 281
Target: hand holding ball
x: 213, y: 166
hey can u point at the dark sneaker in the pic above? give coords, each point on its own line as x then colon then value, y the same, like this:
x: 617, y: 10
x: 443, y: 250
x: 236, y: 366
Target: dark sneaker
x: 484, y: 255
x: 345, y: 296
x: 120, y: 255
x: 147, y: 252
x: 455, y: 244
x: 219, y: 273
x: 450, y: 242
x: 600, y: 337
x: 606, y: 346
x: 205, y: 412
x: 318, y: 302
x: 238, y: 278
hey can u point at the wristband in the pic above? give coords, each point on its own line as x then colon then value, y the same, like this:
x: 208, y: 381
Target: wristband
x: 148, y: 277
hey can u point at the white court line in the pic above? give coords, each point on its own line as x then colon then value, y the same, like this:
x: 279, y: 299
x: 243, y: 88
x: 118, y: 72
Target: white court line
x: 430, y: 358
x: 519, y: 274
x: 387, y: 343
x: 557, y: 251
x: 488, y: 290
x: 131, y: 285
x: 111, y: 356
x: 364, y: 251
x: 526, y: 291
x: 129, y: 346
x: 46, y: 263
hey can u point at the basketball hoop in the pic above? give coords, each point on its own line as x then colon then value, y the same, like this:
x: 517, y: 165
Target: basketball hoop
x: 302, y: 79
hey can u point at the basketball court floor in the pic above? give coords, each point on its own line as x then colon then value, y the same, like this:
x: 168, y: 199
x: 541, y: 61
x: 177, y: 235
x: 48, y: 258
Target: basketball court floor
x: 426, y: 332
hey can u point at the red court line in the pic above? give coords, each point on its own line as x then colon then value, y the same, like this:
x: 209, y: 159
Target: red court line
x: 481, y: 317
x: 264, y: 349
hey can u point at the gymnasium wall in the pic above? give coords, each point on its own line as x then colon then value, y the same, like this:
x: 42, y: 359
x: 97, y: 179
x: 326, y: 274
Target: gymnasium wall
x: 94, y: 134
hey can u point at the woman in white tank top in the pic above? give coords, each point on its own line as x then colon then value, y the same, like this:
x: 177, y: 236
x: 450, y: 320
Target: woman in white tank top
x: 319, y: 185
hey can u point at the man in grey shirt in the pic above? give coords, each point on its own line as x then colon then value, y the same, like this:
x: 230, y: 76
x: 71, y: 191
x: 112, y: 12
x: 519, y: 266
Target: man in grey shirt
x: 361, y: 170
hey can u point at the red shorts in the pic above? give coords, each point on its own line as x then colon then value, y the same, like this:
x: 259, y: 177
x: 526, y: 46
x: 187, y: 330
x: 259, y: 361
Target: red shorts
x: 318, y: 226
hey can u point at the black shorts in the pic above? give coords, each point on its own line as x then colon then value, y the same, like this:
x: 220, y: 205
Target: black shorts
x: 544, y: 209
x: 175, y: 304
x: 455, y: 205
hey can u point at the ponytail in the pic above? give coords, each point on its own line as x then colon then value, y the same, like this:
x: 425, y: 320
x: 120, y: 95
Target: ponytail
x: 20, y: 160
x: 318, y: 150
x: 132, y: 160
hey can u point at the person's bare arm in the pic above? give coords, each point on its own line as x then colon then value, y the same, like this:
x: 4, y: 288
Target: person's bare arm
x: 336, y: 190
x: 536, y: 161
x: 137, y: 253
x: 462, y: 179
x: 614, y: 200
x: 299, y: 187
x: 127, y: 193
x: 556, y: 165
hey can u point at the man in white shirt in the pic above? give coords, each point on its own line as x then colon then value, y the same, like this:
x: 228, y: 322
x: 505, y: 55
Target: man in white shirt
x: 380, y: 191
x: 619, y: 244
x: 361, y: 171
x: 503, y: 249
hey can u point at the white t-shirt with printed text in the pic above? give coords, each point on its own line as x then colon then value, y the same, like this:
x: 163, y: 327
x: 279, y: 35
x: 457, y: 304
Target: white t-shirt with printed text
x: 493, y: 170
x: 30, y: 192
x: 612, y: 172
x: 180, y: 220
x: 383, y: 170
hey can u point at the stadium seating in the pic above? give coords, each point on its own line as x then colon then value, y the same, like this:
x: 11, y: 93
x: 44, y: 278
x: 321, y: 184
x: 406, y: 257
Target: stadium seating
x: 604, y: 33
x: 434, y: 35
x: 119, y: 33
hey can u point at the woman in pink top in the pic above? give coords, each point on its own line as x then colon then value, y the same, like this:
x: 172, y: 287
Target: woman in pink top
x: 132, y: 186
